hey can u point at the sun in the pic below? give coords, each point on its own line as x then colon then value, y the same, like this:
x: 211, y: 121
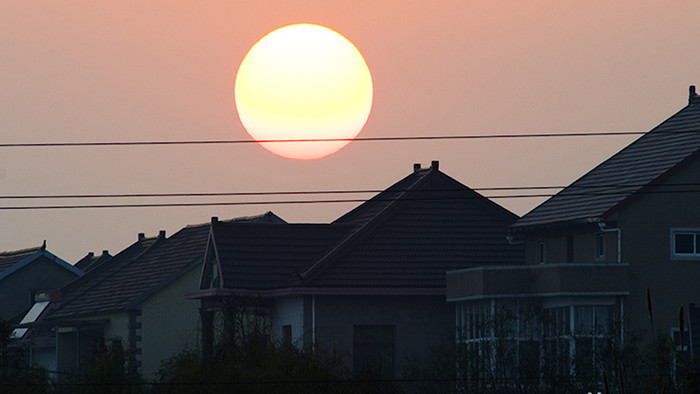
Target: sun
x: 303, y: 82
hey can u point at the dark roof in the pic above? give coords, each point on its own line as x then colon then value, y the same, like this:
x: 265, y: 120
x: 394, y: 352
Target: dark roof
x: 90, y: 261
x: 604, y: 189
x: 8, y: 259
x: 94, y: 291
x: 267, y: 255
x: 12, y: 261
x: 406, y: 237
x: 123, y: 281
x: 419, y: 228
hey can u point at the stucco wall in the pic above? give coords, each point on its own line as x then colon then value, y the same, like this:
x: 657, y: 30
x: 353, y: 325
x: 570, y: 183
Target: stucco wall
x: 169, y: 322
x: 421, y: 323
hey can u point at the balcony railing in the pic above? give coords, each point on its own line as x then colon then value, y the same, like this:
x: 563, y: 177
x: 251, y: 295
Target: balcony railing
x: 538, y: 281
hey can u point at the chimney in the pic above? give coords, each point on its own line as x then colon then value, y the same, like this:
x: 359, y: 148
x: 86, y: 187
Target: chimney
x: 434, y: 165
x: 161, y: 234
x: 214, y: 219
x: 416, y: 167
x: 142, y: 236
x: 105, y: 252
x: 693, y: 97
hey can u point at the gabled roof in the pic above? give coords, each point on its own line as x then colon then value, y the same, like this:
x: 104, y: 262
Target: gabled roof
x: 12, y: 261
x: 268, y: 255
x: 90, y: 260
x: 413, y: 233
x: 402, y: 241
x: 644, y: 162
x: 128, y: 278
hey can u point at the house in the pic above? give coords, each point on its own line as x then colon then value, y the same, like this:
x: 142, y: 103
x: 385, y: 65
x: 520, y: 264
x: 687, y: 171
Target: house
x: 615, y: 253
x: 90, y: 260
x: 135, y: 299
x: 370, y: 285
x: 25, y: 272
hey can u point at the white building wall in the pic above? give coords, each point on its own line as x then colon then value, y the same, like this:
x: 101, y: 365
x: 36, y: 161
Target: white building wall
x: 289, y: 311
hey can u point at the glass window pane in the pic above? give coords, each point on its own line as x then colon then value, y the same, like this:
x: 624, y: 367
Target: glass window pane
x: 684, y: 243
x: 583, y: 319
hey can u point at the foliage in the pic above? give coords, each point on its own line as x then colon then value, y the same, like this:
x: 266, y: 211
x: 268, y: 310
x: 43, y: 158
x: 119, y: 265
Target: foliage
x: 247, y: 360
x: 109, y: 370
x: 16, y: 376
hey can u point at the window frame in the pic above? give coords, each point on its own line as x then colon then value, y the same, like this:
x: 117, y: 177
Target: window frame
x: 695, y: 232
x: 600, y: 246
x: 541, y: 252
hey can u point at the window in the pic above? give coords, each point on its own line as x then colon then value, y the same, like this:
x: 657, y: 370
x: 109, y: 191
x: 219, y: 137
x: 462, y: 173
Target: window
x: 685, y: 242
x: 373, y: 350
x: 600, y: 246
x: 570, y: 249
x: 540, y: 252
x: 287, y: 336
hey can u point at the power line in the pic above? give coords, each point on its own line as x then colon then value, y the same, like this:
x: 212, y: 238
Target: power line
x: 359, y: 139
x: 317, y: 201
x: 355, y: 191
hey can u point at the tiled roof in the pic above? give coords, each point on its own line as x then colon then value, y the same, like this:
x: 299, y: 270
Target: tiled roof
x: 266, y: 255
x: 94, y: 291
x: 13, y: 261
x: 119, y: 282
x: 406, y: 237
x: 90, y: 261
x: 433, y: 224
x: 601, y: 191
x: 8, y: 259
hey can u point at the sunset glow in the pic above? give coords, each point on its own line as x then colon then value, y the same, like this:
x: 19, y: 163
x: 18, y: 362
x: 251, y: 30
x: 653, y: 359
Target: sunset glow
x: 303, y: 82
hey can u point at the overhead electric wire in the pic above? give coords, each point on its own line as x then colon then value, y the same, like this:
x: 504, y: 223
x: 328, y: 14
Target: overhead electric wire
x: 591, y: 192
x: 311, y: 192
x: 359, y: 139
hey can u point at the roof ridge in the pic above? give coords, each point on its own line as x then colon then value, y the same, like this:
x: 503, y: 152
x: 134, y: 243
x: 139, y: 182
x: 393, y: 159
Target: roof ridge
x: 95, y: 270
x: 670, y: 132
x: 353, y: 234
x: 20, y: 251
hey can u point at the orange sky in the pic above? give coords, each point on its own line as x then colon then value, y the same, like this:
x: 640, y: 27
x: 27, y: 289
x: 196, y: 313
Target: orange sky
x: 164, y: 70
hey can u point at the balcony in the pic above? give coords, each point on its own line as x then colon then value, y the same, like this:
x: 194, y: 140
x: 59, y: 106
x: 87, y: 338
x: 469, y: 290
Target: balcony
x: 567, y: 279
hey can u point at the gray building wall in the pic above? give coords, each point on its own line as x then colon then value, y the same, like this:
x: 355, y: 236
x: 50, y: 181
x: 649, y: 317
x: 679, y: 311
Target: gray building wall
x: 40, y: 274
x: 422, y: 323
x: 169, y: 323
x: 645, y: 223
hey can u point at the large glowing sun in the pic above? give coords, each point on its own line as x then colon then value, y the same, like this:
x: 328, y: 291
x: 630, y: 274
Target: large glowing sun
x: 303, y: 82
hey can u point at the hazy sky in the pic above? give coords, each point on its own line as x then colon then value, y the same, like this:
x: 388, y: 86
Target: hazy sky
x: 164, y: 70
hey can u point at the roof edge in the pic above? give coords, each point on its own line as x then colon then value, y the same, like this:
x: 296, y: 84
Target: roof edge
x: 290, y: 291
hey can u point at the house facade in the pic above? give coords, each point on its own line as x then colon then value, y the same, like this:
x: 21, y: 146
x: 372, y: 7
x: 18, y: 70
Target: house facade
x: 25, y: 272
x: 136, y: 300
x: 369, y: 286
x: 614, y: 254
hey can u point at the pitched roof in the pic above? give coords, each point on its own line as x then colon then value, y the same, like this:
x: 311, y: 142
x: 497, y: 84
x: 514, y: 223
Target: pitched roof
x: 90, y: 261
x: 645, y: 161
x: 268, y: 255
x: 404, y: 239
x: 10, y: 258
x: 126, y: 279
x: 419, y: 228
x: 12, y: 261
